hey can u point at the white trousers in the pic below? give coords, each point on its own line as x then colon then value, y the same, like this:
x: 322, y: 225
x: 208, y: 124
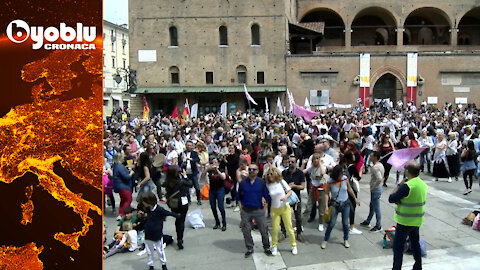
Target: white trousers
x: 155, y: 247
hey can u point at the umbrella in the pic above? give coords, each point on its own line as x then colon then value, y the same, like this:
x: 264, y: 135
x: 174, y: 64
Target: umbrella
x: 400, y: 158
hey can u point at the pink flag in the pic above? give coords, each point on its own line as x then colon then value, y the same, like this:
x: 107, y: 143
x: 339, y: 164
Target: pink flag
x: 400, y: 158
x: 306, y: 114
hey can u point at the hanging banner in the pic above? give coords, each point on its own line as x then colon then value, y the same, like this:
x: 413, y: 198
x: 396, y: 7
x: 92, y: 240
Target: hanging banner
x: 365, y: 79
x: 412, y: 77
x: 223, y: 109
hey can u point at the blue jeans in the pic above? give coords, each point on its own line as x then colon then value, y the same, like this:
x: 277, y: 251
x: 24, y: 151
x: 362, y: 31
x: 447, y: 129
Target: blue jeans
x: 217, y: 196
x: 366, y: 155
x: 425, y: 156
x: 147, y: 187
x: 375, y: 206
x: 194, y: 178
x: 344, y: 208
x: 401, y: 234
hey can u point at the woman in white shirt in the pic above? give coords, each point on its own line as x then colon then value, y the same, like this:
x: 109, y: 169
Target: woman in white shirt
x: 440, y: 159
x: 367, y: 149
x: 172, y: 155
x: 453, y: 160
x: 279, y: 191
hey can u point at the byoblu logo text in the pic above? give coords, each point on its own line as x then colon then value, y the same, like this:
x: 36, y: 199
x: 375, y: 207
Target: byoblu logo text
x: 18, y: 31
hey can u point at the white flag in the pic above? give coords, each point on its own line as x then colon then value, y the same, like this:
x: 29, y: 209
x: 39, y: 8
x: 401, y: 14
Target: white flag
x: 306, y: 105
x: 194, y: 110
x: 223, y: 109
x: 291, y: 101
x: 266, y: 105
x: 248, y: 95
x: 279, y: 106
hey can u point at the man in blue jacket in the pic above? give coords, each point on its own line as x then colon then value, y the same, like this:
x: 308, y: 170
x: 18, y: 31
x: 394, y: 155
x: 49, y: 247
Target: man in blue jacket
x: 253, y: 200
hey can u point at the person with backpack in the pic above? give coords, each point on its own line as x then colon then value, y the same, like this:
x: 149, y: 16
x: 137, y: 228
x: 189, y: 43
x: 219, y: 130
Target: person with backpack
x: 177, y: 188
x: 410, y: 197
x: 253, y: 201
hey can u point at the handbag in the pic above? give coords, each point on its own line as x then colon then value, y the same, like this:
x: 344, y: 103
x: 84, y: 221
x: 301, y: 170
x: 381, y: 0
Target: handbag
x: 327, y: 216
x: 173, y: 203
x: 228, y: 183
x: 293, y: 198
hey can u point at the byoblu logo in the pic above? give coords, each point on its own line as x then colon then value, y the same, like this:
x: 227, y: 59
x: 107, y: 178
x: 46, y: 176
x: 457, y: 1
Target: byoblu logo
x: 18, y: 31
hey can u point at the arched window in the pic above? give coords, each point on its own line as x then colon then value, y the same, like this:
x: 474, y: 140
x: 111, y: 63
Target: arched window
x: 255, y: 34
x: 173, y: 36
x: 223, y: 35
x: 174, y: 75
x: 241, y: 74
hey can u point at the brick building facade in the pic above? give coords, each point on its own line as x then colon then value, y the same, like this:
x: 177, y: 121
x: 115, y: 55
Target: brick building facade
x: 206, y: 50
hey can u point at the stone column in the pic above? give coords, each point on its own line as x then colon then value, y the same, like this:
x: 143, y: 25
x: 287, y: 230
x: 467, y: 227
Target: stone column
x: 348, y: 37
x: 453, y: 36
x: 400, y: 36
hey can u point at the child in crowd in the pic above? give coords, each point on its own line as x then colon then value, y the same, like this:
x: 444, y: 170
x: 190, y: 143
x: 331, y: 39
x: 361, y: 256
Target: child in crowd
x: 126, y: 242
x: 156, y: 215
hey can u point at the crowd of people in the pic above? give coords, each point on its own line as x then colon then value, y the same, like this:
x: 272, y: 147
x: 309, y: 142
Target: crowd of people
x: 259, y: 163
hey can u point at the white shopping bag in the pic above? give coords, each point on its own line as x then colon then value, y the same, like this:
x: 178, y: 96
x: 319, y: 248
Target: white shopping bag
x: 196, y: 219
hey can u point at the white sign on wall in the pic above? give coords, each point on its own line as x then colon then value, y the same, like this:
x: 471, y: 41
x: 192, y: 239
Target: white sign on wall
x: 432, y: 100
x: 147, y: 55
x: 461, y: 89
x: 461, y: 100
x: 319, y: 97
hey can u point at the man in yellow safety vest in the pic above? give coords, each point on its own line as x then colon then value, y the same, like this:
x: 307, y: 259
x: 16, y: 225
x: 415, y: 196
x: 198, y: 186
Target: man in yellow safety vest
x: 410, y: 197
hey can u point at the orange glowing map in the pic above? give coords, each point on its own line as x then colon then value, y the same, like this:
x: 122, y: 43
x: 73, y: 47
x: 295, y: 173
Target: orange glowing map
x: 34, y: 136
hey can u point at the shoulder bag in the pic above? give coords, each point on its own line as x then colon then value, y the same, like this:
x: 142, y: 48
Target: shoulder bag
x: 293, y: 198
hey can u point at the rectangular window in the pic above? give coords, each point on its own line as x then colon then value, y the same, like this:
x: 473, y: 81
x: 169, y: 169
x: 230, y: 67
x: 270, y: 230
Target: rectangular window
x: 125, y: 104
x: 111, y: 33
x: 242, y: 77
x: 113, y: 46
x: 260, y: 77
x: 175, y: 78
x: 209, y: 77
x: 113, y: 61
x: 105, y: 102
x: 124, y: 63
x: 116, y: 103
x: 123, y: 48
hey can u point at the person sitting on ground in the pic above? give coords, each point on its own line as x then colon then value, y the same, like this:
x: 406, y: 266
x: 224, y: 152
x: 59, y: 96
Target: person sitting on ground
x: 126, y: 242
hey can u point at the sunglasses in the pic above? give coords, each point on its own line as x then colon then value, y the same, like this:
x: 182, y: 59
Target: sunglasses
x: 252, y: 169
x: 269, y: 174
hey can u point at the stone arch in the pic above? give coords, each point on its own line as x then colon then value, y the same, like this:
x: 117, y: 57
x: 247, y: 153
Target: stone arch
x: 334, y: 25
x: 374, y: 26
x: 315, y: 7
x: 434, y: 18
x: 396, y: 72
x: 468, y: 31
